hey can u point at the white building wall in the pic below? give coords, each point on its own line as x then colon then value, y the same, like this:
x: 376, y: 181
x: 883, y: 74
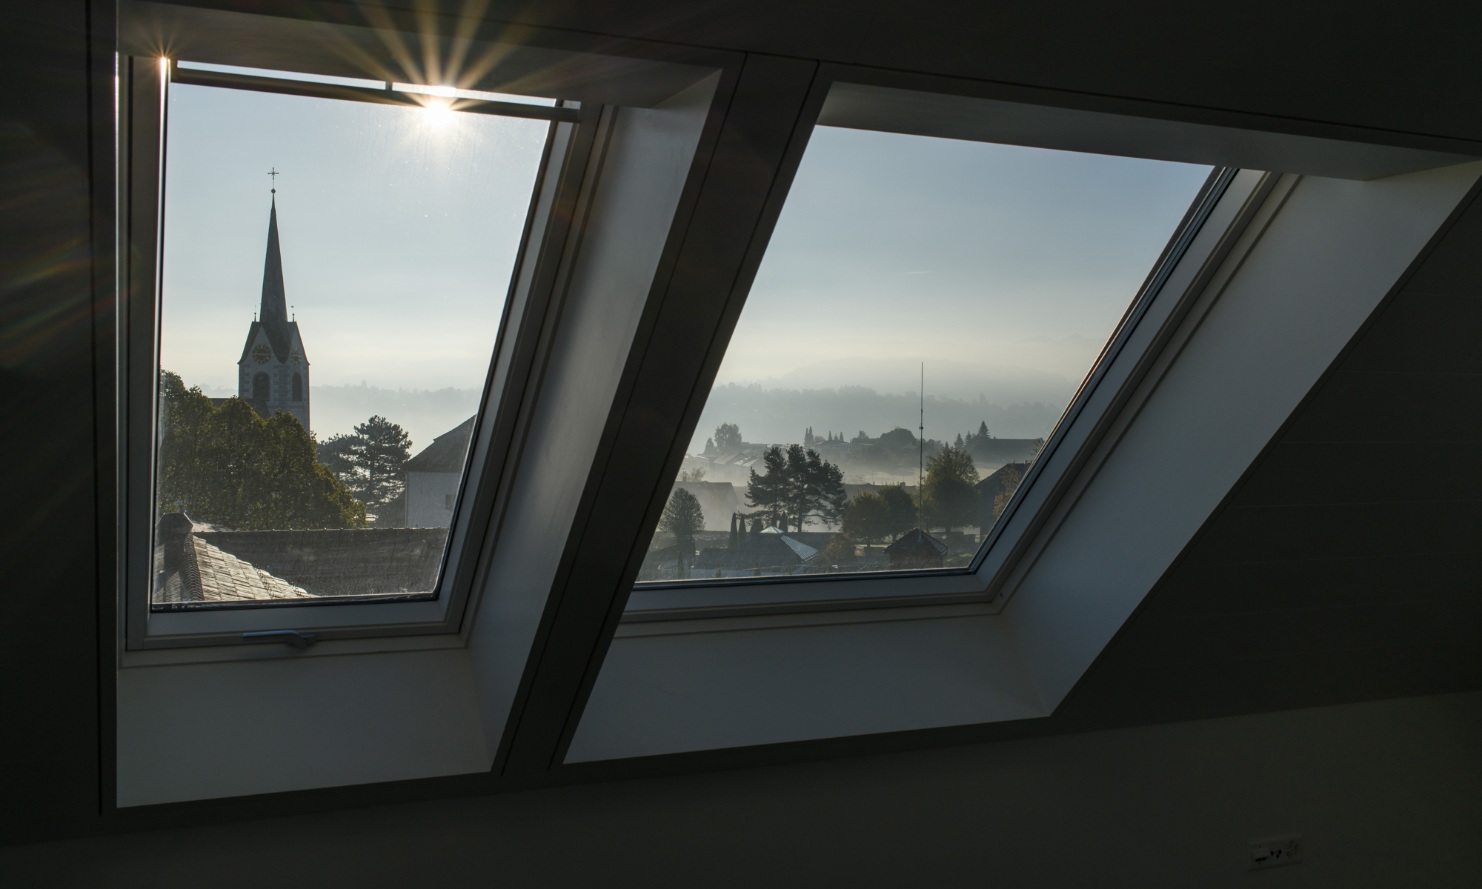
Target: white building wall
x: 430, y: 497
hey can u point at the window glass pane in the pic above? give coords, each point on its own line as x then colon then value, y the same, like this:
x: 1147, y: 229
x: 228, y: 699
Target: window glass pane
x: 324, y: 346
x: 925, y: 312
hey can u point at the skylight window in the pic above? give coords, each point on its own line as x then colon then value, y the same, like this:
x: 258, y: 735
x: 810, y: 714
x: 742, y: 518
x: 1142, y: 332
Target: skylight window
x: 333, y: 279
x: 925, y: 312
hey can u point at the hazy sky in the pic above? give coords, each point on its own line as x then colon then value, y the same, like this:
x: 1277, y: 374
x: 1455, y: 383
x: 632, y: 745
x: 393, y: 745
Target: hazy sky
x: 1003, y: 268
x: 398, y: 229
x: 982, y: 260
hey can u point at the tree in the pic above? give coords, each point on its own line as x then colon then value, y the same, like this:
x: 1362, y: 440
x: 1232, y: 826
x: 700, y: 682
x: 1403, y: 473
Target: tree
x: 228, y: 466
x: 948, y: 496
x: 372, y: 461
x: 900, y: 510
x: 337, y: 455
x: 798, y: 485
x: 867, y: 518
x: 727, y: 437
x: 692, y: 475
x: 840, y: 550
x: 683, y: 518
x: 898, y: 438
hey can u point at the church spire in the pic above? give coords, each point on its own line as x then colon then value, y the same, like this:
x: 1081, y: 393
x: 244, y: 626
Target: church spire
x: 273, y: 372
x: 274, y: 309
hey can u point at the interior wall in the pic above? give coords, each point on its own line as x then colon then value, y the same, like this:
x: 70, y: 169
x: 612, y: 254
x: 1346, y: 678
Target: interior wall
x: 48, y: 542
x: 1398, y: 793
x: 1384, y: 794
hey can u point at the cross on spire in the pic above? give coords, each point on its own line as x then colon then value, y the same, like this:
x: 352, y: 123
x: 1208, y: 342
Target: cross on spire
x: 274, y: 174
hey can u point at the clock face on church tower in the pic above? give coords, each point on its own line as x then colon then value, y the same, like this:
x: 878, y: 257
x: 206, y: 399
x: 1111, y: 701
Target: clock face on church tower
x: 261, y: 353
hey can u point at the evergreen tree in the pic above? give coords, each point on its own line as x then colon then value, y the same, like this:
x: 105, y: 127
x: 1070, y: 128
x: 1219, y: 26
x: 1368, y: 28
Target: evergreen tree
x: 683, y: 518
x: 336, y: 453
x: 798, y: 485
x: 372, y: 461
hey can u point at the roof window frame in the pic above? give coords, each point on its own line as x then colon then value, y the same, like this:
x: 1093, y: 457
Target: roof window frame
x: 1237, y: 146
x: 884, y: 101
x: 438, y: 619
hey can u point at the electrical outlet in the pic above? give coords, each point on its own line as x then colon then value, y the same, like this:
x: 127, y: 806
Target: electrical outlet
x: 1274, y: 851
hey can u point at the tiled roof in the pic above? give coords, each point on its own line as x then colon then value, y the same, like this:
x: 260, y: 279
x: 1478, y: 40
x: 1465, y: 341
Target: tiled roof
x: 209, y: 574
x: 197, y: 565
x: 355, y: 562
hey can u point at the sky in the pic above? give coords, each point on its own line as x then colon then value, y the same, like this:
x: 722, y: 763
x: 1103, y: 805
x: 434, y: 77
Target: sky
x: 1003, y: 268
x: 988, y: 262
x: 398, y: 230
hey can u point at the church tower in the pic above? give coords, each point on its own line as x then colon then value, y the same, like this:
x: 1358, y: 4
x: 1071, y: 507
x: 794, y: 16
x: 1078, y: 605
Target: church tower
x: 273, y: 373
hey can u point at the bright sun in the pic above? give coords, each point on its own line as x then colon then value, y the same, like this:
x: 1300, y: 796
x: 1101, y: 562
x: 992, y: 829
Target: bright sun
x: 438, y: 113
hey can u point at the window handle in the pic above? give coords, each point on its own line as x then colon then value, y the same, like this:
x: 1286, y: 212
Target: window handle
x: 293, y: 638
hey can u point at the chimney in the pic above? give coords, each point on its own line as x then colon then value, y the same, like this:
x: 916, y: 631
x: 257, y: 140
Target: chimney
x: 170, y: 535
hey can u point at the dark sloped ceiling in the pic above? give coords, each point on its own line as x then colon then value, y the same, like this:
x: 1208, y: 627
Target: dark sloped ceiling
x: 1344, y: 566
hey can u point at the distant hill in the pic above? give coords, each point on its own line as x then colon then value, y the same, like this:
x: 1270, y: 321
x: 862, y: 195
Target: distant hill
x: 782, y: 415
x: 423, y: 413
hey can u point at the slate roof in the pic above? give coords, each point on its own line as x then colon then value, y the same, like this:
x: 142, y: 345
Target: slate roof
x: 769, y: 551
x: 803, y: 551
x: 916, y: 549
x: 996, y: 483
x: 446, y: 453
x: 917, y: 539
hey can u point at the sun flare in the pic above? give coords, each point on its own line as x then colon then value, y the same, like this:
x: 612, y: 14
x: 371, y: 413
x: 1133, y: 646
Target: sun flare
x: 437, y: 113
